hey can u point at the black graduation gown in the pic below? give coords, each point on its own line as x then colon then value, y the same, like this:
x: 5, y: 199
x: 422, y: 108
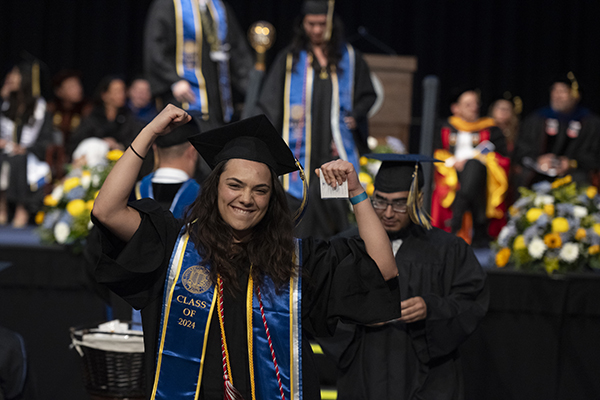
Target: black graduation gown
x: 161, y: 70
x: 534, y: 141
x: 323, y: 219
x: 419, y: 360
x: 339, y: 281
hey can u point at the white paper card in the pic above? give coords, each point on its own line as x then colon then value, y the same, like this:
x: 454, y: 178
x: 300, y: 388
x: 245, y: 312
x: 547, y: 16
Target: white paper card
x: 328, y: 192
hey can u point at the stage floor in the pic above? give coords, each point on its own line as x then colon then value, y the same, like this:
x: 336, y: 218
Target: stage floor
x: 26, y: 236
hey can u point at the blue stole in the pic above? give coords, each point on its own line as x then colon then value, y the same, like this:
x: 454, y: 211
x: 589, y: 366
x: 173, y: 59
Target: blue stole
x: 189, y: 301
x: 188, y: 55
x: 185, y: 196
x: 297, y: 113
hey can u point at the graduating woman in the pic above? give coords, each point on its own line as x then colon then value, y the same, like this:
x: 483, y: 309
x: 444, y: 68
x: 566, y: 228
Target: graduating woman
x: 228, y: 295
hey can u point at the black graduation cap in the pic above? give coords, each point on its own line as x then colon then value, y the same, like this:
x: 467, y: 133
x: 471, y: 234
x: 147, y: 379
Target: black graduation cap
x: 569, y: 80
x: 396, y: 171
x: 35, y: 74
x: 517, y: 101
x: 399, y: 173
x: 321, y: 7
x: 254, y: 139
x: 315, y: 7
x: 179, y: 135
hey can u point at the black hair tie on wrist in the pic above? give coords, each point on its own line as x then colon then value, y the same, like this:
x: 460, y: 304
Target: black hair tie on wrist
x: 136, y: 153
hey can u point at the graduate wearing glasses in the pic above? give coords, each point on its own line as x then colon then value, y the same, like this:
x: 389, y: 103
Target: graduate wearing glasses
x: 444, y: 297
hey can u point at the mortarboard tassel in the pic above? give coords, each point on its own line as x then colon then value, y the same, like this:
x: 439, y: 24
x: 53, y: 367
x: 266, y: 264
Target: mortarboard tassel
x: 35, y: 79
x: 300, y: 211
x: 574, y: 85
x: 415, y: 197
x: 329, y: 20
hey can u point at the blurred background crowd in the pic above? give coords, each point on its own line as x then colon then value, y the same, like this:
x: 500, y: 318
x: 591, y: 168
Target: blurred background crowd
x: 73, y: 71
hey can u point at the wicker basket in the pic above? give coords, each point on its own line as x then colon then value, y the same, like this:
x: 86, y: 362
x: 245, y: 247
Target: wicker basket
x: 108, y: 371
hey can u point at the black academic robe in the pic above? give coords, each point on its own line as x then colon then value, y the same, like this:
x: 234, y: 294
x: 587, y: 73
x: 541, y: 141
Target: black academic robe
x: 160, y: 67
x: 536, y: 137
x: 340, y: 280
x: 323, y: 219
x: 419, y: 360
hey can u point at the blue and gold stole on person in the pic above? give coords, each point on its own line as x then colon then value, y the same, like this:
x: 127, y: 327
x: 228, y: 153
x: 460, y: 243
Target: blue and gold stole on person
x: 297, y: 112
x: 185, y: 196
x: 188, y: 54
x: 189, y: 303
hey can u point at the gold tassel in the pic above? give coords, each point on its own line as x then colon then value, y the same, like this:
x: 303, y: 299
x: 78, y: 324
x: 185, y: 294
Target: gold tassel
x: 574, y: 85
x: 414, y: 202
x: 35, y: 79
x: 300, y: 211
x: 329, y: 20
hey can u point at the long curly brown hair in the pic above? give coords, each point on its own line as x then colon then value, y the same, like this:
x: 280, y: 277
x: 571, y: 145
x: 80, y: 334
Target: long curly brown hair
x: 270, y: 250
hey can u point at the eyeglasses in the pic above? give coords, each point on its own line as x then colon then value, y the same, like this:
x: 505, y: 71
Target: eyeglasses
x: 398, y: 206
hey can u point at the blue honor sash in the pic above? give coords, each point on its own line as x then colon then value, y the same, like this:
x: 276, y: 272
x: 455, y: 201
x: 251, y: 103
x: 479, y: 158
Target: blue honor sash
x: 297, y: 115
x: 188, y: 53
x: 189, y: 301
x: 185, y: 196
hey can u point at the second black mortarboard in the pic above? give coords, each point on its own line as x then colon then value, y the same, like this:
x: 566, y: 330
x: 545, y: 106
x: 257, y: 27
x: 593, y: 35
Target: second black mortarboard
x: 396, y: 171
x: 315, y: 7
x: 400, y: 173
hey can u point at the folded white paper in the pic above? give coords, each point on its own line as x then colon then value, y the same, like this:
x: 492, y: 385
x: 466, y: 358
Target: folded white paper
x: 329, y: 192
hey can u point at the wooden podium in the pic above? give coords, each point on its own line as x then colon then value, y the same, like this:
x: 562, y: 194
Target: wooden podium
x: 391, y: 114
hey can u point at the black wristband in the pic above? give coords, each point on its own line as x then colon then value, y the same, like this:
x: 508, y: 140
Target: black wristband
x: 136, y: 153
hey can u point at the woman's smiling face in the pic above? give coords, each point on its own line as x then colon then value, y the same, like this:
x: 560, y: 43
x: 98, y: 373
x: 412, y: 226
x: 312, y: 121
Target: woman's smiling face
x: 243, y: 195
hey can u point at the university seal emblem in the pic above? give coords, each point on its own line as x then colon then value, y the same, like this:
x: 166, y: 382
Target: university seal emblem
x: 196, y: 279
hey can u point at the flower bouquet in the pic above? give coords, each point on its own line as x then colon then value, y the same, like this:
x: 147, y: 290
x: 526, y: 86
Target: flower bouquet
x: 65, y: 217
x: 552, y: 227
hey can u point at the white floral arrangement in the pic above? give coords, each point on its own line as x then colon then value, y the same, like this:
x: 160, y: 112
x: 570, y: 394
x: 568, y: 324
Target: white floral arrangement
x: 553, y: 227
x: 65, y: 217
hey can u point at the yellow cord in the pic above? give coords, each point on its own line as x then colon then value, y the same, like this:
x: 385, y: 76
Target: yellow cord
x: 249, y: 300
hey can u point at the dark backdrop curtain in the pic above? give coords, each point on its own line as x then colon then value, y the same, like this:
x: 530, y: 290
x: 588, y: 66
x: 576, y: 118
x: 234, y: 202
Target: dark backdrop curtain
x: 498, y: 45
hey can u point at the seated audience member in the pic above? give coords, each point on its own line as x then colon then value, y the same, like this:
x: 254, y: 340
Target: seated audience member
x: 562, y: 138
x: 505, y: 111
x: 109, y: 120
x: 140, y: 100
x: 25, y: 133
x: 67, y: 109
x: 474, y: 177
x: 444, y: 297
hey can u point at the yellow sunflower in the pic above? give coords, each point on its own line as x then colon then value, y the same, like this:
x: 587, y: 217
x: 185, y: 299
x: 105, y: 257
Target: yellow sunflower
x: 553, y: 240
